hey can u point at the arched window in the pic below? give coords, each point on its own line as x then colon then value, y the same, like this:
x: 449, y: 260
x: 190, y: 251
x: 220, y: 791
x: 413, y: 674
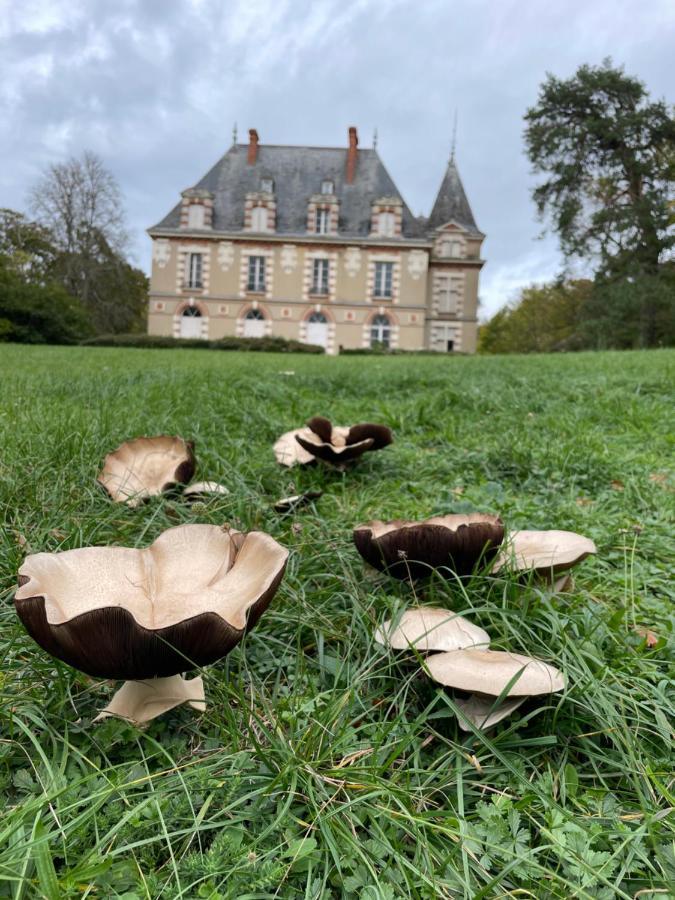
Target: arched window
x: 259, y: 219
x: 317, y: 317
x: 386, y: 222
x: 254, y: 324
x: 190, y: 324
x: 380, y: 331
x: 317, y: 329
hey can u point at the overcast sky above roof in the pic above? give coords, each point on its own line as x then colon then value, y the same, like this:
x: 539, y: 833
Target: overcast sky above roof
x: 154, y: 87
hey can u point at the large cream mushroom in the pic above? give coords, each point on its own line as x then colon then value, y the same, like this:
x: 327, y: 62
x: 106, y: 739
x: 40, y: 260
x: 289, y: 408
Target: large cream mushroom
x: 431, y: 629
x: 147, y: 466
x: 121, y: 613
x: 336, y: 445
x: 453, y: 544
x: 489, y: 674
x: 543, y: 552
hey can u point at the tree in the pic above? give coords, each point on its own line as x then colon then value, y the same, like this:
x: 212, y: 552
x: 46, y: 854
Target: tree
x: 26, y: 247
x: 80, y: 204
x: 543, y: 319
x: 608, y: 154
x: 36, y: 313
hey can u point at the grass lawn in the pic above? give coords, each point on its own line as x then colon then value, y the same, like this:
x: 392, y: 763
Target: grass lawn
x: 324, y: 765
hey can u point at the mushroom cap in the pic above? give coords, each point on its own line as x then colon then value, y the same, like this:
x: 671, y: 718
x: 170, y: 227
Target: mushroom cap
x: 286, y: 504
x: 204, y: 489
x: 340, y: 444
x: 431, y: 628
x: 544, y: 551
x: 184, y: 601
x: 147, y: 466
x: 411, y: 549
x: 489, y: 672
x: 289, y: 452
x: 477, y: 709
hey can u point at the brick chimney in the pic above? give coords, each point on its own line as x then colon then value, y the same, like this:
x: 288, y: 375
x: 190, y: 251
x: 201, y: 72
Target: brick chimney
x: 252, y: 146
x: 352, y: 154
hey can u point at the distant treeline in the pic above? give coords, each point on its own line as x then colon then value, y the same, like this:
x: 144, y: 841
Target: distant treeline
x: 634, y: 312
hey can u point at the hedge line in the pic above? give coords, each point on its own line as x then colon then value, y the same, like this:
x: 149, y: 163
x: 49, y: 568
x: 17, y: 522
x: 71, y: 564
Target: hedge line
x: 257, y: 345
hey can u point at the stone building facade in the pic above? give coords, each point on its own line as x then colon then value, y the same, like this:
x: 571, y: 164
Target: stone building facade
x: 316, y: 244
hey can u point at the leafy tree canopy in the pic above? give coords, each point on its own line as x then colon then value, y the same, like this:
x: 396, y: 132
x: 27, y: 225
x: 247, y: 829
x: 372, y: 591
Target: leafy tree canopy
x: 607, y: 154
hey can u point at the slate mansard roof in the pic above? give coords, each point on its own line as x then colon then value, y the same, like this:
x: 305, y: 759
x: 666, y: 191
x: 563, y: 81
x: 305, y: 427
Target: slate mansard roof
x: 298, y: 172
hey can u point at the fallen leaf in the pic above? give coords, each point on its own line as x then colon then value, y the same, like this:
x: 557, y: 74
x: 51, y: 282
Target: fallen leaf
x: 617, y: 485
x: 583, y: 501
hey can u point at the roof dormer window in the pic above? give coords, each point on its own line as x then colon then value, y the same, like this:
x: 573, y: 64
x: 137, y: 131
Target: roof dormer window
x: 196, y: 215
x: 327, y: 187
x: 386, y: 224
x: 267, y: 185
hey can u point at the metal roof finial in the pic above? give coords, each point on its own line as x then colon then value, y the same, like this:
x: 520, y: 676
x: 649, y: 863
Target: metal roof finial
x: 454, y: 138
x: 234, y: 133
x: 375, y: 138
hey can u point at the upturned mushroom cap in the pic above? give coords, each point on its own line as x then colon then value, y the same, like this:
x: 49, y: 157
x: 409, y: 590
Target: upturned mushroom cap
x: 478, y: 708
x: 490, y: 671
x: 430, y: 628
x: 412, y: 549
x: 147, y: 466
x: 544, y: 551
x: 184, y: 601
x: 338, y: 444
x: 289, y: 452
x: 204, y: 489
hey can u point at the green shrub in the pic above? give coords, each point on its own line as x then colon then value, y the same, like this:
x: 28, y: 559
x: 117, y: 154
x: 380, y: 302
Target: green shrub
x: 255, y: 345
x: 39, y: 313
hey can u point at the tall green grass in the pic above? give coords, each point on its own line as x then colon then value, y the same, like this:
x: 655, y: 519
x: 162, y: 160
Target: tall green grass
x: 324, y: 766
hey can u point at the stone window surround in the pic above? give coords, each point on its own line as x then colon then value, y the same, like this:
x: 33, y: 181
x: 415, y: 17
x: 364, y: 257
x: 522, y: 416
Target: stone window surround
x: 196, y: 197
x: 308, y: 275
x: 330, y: 336
x: 182, y: 306
x: 376, y: 257
x: 182, y: 267
x: 246, y: 308
x: 328, y: 202
x: 395, y: 327
x: 391, y: 205
x: 264, y: 199
x: 247, y: 250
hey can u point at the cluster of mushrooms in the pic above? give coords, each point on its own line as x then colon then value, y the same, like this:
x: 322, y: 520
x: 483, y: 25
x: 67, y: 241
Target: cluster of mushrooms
x: 492, y: 683
x: 149, y: 616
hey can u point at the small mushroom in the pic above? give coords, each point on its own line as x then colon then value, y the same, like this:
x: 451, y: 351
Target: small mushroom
x: 544, y: 552
x: 484, y: 712
x: 430, y: 628
x: 204, y: 490
x: 336, y: 445
x: 122, y: 613
x: 147, y: 466
x: 288, y: 504
x: 486, y: 674
x: 454, y: 543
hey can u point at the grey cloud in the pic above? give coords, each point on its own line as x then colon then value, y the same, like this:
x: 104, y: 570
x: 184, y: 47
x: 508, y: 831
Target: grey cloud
x: 154, y: 87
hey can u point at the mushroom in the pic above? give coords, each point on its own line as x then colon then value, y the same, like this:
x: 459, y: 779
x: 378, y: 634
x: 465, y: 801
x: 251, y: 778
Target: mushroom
x: 455, y: 543
x: 546, y: 553
x: 121, y: 613
x: 490, y: 674
x: 336, y: 445
x: 430, y: 628
x: 204, y: 490
x: 147, y: 466
x: 288, y: 504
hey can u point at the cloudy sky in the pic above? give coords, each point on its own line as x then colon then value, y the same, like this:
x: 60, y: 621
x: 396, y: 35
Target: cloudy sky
x: 154, y: 87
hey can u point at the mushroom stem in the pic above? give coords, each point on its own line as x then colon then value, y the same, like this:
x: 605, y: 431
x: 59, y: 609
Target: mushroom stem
x: 141, y: 701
